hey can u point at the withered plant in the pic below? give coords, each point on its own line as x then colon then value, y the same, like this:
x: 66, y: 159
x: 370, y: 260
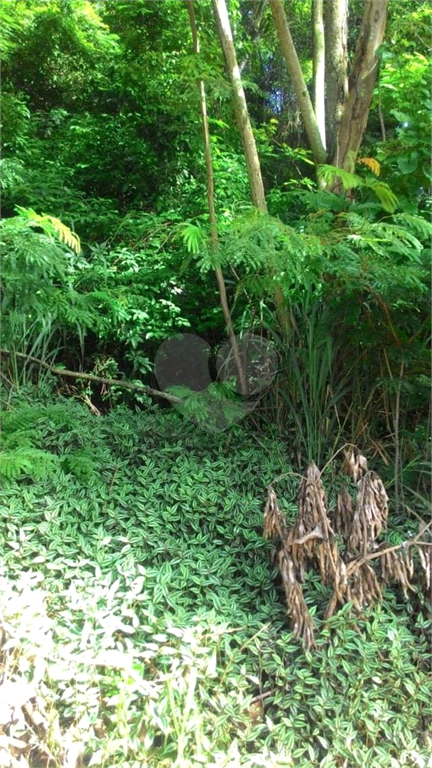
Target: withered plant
x: 343, y: 549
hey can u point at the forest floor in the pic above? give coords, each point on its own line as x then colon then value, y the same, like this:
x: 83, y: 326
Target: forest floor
x: 144, y: 624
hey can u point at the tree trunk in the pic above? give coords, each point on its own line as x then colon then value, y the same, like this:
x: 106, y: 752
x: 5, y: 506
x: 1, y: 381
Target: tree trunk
x: 319, y: 66
x: 240, y: 106
x: 362, y: 81
x: 212, y: 212
x: 248, y: 140
x: 298, y: 81
x: 336, y: 66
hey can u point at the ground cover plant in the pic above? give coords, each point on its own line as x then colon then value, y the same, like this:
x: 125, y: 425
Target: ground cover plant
x: 143, y: 623
x: 188, y: 578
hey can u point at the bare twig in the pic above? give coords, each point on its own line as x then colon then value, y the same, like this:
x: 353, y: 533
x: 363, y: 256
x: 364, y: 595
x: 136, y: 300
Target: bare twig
x: 263, y: 695
x: 381, y: 116
x: 345, y: 445
x: 409, y: 543
x: 92, y: 377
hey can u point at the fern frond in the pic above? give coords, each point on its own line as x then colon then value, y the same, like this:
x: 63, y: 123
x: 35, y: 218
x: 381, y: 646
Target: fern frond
x: 399, y: 238
x: 420, y: 227
x: 26, y: 462
x: 65, y: 234
x: 20, y: 420
x: 193, y: 237
x: 370, y: 163
x: 384, y: 194
x: 319, y: 200
x: 52, y: 227
x: 79, y: 462
x: 329, y: 174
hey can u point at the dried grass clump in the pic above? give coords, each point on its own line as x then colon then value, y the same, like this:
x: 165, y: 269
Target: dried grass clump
x: 355, y: 465
x: 363, y: 587
x: 344, y: 552
x: 274, y: 521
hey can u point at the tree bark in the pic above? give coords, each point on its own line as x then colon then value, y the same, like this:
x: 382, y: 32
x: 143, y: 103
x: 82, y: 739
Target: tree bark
x: 336, y: 66
x: 298, y: 81
x: 248, y: 140
x: 240, y: 106
x: 362, y: 81
x: 212, y: 211
x: 319, y: 66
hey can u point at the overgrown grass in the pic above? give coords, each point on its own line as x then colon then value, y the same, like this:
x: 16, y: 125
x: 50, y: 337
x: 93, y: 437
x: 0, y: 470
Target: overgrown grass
x: 141, y: 610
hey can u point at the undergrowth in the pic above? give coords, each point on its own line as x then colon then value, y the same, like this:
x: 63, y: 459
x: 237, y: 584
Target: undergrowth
x: 143, y: 622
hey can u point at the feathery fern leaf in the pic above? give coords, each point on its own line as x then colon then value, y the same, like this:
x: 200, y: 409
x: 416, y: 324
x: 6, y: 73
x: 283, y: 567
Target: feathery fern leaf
x: 26, y: 462
x: 329, y: 174
x: 51, y: 226
x: 370, y: 163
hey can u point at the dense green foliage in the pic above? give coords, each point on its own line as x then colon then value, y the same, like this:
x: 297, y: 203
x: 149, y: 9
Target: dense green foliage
x: 137, y: 590
x: 147, y: 549
x: 107, y: 138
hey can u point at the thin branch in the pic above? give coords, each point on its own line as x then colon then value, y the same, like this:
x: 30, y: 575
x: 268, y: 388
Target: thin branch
x: 345, y: 445
x: 381, y: 116
x: 92, y: 377
x: 419, y: 517
x: 409, y: 543
x: 212, y: 211
x: 263, y: 695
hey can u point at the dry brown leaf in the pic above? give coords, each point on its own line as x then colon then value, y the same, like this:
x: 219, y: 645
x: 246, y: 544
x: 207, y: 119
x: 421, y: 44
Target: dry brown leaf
x: 274, y: 520
x: 343, y: 515
x: 425, y: 556
x: 370, y: 516
x: 355, y: 464
x: 302, y: 624
x: 363, y: 587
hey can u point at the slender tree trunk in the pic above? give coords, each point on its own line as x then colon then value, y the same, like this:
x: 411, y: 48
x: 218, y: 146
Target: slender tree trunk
x: 248, y: 140
x: 319, y: 66
x: 212, y: 211
x: 336, y: 65
x: 240, y: 106
x: 362, y: 81
x: 298, y: 81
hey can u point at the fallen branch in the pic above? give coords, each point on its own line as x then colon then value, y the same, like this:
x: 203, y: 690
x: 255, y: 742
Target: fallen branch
x: 92, y: 377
